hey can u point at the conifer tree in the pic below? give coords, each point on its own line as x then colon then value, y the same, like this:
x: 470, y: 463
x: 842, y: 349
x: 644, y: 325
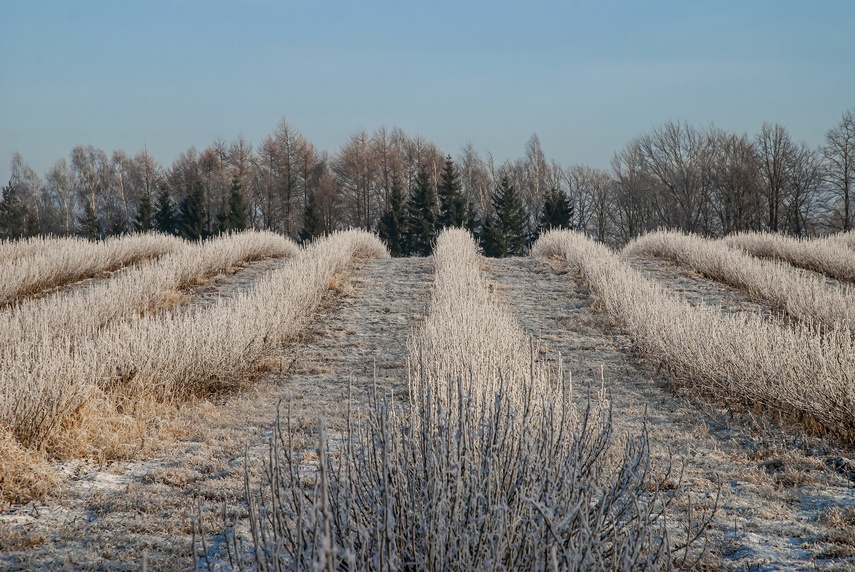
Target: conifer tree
x: 13, y: 214
x: 505, y: 233
x: 391, y: 226
x: 452, y: 203
x: 88, y: 225
x: 557, y: 212
x: 236, y: 219
x: 421, y: 220
x: 144, y: 219
x: 313, y: 223
x: 221, y: 219
x: 191, y: 213
x: 472, y: 222
x: 164, y: 216
x: 117, y: 227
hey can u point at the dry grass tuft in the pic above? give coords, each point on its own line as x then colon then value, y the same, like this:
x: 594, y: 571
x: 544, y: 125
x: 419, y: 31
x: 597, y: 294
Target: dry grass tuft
x: 13, y: 539
x: 841, y: 521
x: 99, y: 429
x: 24, y: 474
x: 840, y: 518
x: 339, y: 283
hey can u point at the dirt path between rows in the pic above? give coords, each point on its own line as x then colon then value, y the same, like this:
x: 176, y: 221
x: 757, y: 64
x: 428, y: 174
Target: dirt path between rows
x: 776, y: 496
x: 113, y: 516
x: 699, y: 290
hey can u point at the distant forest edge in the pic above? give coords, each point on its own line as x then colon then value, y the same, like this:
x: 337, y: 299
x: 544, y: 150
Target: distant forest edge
x: 695, y: 179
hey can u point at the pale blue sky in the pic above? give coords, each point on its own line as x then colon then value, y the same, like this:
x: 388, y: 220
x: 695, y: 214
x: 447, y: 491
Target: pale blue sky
x: 586, y: 76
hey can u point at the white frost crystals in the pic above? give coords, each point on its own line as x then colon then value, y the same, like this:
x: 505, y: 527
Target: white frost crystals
x: 486, y: 464
x: 171, y: 355
x: 792, y: 368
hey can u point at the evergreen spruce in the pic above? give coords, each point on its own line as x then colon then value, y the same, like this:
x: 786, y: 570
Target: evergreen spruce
x: 144, y: 219
x: 452, y: 203
x: 391, y: 226
x: 313, y: 223
x: 420, y: 219
x: 557, y: 212
x: 88, y: 225
x: 472, y: 221
x: 221, y: 220
x: 504, y: 233
x: 164, y: 216
x: 13, y: 214
x: 117, y: 226
x: 236, y: 219
x: 191, y: 213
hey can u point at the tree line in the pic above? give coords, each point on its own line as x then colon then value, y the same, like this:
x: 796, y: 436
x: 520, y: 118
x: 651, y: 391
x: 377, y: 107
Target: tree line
x: 696, y: 179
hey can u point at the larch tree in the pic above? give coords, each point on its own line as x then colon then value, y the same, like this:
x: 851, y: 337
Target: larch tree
x: 355, y: 169
x: 387, y: 151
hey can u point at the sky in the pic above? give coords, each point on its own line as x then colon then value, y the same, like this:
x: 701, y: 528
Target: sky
x: 586, y: 76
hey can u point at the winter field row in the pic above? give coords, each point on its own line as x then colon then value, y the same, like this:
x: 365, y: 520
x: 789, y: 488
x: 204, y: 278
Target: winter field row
x: 797, y: 368
x: 38, y: 264
x: 802, y: 295
x: 87, y: 392
x: 488, y: 443
x: 66, y: 316
x: 833, y: 256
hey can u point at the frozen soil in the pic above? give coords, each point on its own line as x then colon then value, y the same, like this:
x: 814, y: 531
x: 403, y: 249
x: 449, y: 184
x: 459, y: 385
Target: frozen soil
x: 783, y: 501
x: 699, y: 290
x: 226, y: 285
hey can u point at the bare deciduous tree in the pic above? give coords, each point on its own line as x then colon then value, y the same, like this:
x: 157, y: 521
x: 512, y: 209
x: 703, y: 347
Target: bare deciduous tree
x: 31, y: 192
x: 477, y: 182
x: 777, y: 152
x: 675, y: 157
x: 839, y: 153
x: 736, y: 185
x: 60, y: 187
x: 355, y: 169
x: 634, y: 202
x: 92, y: 171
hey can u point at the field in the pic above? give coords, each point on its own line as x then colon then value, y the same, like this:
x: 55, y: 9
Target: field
x: 245, y: 403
